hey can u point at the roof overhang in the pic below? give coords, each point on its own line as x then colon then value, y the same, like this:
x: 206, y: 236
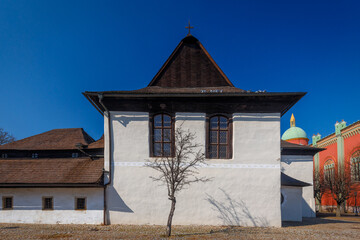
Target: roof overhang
x: 292, y: 182
x: 194, y: 102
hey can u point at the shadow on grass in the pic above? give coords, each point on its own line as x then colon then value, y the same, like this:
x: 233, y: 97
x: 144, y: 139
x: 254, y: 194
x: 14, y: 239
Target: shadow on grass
x: 9, y: 227
x: 317, y: 221
x: 228, y: 230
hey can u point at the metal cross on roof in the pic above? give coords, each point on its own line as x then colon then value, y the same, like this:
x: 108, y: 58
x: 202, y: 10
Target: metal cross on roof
x: 189, y: 27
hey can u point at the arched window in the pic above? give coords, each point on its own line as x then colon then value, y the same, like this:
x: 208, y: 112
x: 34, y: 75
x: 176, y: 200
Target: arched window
x: 219, y: 138
x: 329, y: 169
x: 355, y: 166
x: 162, y: 140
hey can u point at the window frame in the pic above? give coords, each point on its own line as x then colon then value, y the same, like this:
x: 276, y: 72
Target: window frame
x: 4, y: 203
x: 329, y: 169
x: 229, y: 148
x: 355, y: 166
x: 43, y: 203
x: 152, y: 130
x: 76, y: 204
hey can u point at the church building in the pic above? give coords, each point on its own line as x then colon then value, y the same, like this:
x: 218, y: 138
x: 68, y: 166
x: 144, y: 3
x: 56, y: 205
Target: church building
x: 239, y: 131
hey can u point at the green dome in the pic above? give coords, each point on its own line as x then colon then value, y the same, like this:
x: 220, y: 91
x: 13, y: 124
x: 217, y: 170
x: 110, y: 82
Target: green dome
x: 293, y: 132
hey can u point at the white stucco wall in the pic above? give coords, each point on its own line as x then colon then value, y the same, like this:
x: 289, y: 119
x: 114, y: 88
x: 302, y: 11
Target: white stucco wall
x: 244, y: 191
x: 291, y: 206
x: 300, y: 167
x: 27, y: 206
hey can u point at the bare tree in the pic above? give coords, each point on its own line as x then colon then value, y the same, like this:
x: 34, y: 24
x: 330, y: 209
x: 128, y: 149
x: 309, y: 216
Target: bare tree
x: 320, y: 186
x: 180, y: 170
x: 5, y: 137
x: 339, y: 184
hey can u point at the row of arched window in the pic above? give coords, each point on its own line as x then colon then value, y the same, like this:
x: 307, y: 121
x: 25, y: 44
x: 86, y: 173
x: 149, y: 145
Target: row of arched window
x: 329, y: 167
x: 218, y: 136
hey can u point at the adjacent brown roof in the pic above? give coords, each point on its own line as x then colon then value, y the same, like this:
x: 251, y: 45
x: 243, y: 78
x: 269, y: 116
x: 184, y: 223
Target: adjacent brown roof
x: 52, y: 140
x: 51, y: 171
x: 190, y: 65
x: 98, y: 144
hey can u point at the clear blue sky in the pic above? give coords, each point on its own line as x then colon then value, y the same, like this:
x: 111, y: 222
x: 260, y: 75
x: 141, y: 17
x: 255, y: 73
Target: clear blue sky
x: 51, y: 51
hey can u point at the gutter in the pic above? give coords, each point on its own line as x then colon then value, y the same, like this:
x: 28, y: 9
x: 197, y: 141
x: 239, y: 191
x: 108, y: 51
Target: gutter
x: 101, y: 96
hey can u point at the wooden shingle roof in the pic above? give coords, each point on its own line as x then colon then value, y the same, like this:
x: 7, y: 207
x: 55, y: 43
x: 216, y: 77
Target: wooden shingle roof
x: 190, y: 65
x: 57, y: 139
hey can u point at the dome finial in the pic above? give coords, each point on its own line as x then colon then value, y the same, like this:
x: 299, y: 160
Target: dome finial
x: 292, y: 121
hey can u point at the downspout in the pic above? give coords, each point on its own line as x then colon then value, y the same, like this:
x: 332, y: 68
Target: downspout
x: 101, y: 96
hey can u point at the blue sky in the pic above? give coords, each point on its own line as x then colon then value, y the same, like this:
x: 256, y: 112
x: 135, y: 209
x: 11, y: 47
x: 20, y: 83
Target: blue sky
x: 51, y: 51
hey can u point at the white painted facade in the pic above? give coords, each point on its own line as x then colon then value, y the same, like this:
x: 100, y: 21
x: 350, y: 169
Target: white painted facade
x: 300, y: 167
x: 244, y: 190
x: 27, y: 206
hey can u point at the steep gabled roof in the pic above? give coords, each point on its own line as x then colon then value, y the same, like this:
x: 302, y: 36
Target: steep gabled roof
x: 190, y: 65
x: 52, y: 140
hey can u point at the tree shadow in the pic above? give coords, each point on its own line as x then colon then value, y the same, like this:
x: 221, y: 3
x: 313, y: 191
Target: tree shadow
x: 234, y: 213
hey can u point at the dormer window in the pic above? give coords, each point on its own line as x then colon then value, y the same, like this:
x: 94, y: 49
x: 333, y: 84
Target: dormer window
x: 75, y: 155
x: 35, y: 155
x: 4, y: 155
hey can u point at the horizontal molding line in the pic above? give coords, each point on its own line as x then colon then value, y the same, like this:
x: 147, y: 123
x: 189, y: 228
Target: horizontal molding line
x: 220, y: 165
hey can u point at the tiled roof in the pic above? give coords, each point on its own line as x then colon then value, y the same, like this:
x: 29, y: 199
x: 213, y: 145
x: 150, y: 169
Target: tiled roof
x: 57, y: 139
x: 98, y: 144
x: 51, y: 171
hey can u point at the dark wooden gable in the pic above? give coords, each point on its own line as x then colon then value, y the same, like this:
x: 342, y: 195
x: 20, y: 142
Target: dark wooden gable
x: 190, y: 65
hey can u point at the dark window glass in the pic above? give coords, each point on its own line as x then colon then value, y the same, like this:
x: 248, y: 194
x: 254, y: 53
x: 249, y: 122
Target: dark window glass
x: 80, y: 203
x: 355, y: 166
x: 218, y: 137
x: 162, y: 140
x: 48, y: 203
x: 7, y: 203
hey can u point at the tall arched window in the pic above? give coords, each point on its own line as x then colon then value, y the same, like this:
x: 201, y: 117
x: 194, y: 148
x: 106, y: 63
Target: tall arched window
x: 219, y: 137
x: 355, y: 166
x: 329, y: 169
x: 162, y: 140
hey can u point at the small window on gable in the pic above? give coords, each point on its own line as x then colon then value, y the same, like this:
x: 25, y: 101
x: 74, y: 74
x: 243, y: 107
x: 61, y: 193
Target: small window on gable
x: 48, y: 203
x: 162, y: 136
x: 4, y: 155
x: 219, y: 138
x: 35, y: 155
x: 75, y: 155
x: 80, y: 203
x: 7, y: 203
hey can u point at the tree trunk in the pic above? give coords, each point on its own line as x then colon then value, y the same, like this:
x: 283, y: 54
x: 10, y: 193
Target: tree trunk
x: 338, y: 211
x: 320, y: 207
x: 171, y: 214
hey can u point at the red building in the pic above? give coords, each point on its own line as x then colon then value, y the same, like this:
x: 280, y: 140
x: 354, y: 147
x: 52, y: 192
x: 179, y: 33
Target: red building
x: 342, y: 150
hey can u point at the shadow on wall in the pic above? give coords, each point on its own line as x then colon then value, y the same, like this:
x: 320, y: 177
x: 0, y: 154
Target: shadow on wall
x: 234, y: 213
x: 125, y: 120
x: 115, y: 203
